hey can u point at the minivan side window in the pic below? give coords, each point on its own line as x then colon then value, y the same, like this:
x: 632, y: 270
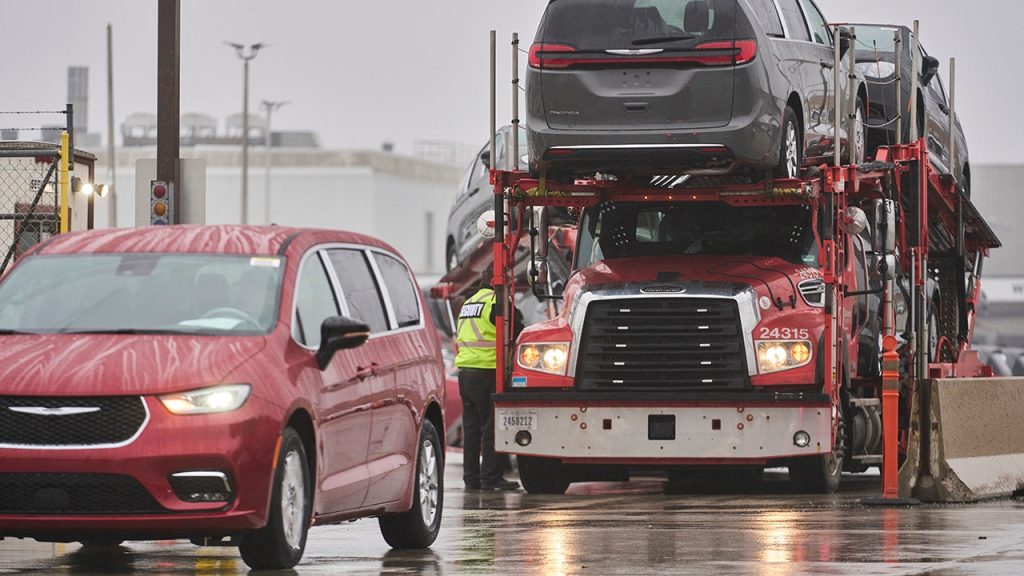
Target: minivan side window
x: 817, y: 22
x: 768, y: 16
x: 314, y: 302
x: 359, y: 288
x: 795, y: 24
x: 401, y: 289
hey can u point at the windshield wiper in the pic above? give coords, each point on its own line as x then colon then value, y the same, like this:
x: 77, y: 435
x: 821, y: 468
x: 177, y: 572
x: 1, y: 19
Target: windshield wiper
x: 660, y: 39
x: 122, y: 331
x: 11, y: 332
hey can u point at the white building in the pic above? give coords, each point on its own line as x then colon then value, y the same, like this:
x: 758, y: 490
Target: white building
x: 401, y: 200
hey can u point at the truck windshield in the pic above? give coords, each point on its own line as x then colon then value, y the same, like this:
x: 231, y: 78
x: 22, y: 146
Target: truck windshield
x: 141, y: 293
x: 625, y: 230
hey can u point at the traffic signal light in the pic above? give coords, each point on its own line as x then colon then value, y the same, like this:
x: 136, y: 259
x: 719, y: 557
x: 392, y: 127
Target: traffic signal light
x: 161, y: 203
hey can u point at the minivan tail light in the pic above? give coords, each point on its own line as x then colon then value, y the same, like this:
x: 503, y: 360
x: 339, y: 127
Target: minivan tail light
x: 743, y: 51
x: 538, y: 61
x: 731, y: 53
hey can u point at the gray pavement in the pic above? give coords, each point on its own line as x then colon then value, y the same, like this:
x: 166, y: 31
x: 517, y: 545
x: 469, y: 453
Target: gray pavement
x: 616, y: 528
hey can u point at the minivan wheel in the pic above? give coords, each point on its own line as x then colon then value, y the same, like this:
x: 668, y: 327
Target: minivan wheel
x: 281, y: 542
x: 418, y: 527
x: 859, y: 134
x: 791, y: 155
x: 451, y: 259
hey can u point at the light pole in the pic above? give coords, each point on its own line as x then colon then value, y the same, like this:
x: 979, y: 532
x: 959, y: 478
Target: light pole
x: 254, y: 49
x: 269, y: 106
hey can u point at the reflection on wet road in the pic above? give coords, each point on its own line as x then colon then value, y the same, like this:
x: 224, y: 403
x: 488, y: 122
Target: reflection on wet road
x: 611, y: 528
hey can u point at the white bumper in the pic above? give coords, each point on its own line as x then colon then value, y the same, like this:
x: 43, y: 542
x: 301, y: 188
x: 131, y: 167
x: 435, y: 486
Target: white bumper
x: 637, y: 433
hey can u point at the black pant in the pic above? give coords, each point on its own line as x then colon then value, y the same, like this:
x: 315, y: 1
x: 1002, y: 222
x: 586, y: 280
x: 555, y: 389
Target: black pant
x: 476, y: 386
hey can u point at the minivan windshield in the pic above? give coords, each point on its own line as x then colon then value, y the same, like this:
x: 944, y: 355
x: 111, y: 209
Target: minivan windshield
x: 696, y: 228
x: 597, y: 25
x: 141, y: 293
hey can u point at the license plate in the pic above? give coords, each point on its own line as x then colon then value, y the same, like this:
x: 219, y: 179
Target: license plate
x: 516, y: 420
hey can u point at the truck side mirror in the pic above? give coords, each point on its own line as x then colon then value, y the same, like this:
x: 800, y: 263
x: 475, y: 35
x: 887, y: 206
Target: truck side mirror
x: 929, y: 69
x: 540, y: 229
x: 884, y: 229
x: 845, y: 41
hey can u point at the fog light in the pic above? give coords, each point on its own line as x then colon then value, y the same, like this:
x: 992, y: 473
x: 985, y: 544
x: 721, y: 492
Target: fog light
x: 201, y: 486
x: 523, y: 438
x: 802, y: 439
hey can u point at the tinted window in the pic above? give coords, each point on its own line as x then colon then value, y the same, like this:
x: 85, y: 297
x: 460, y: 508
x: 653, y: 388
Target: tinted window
x: 768, y: 17
x: 401, y: 289
x: 817, y: 22
x: 794, y: 20
x: 617, y: 24
x: 314, y: 302
x: 359, y: 288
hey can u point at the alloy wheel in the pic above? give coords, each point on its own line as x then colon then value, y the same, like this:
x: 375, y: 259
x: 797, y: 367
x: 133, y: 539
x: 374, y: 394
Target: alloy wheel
x: 293, y: 500
x: 792, y: 152
x: 428, y: 485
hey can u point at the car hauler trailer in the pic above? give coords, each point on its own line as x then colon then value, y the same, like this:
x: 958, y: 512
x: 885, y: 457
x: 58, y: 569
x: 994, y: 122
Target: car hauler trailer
x: 784, y: 322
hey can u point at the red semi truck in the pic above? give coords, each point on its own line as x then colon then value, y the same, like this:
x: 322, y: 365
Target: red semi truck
x: 738, y: 325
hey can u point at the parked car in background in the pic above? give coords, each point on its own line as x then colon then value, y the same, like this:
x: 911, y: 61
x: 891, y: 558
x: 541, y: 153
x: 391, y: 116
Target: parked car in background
x: 232, y: 385
x: 704, y: 87
x: 475, y: 195
x: 876, y: 61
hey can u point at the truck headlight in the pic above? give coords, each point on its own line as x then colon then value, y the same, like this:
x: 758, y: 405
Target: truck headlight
x: 550, y: 357
x: 207, y: 400
x: 779, y: 355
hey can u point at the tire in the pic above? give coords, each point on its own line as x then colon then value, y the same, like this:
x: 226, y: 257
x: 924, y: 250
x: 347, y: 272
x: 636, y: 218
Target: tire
x: 100, y: 544
x: 418, y: 527
x: 281, y: 542
x: 791, y: 150
x: 451, y: 257
x: 542, y: 475
x: 816, y: 474
x: 860, y: 134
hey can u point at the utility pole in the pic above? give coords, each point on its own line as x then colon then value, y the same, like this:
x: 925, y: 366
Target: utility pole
x: 269, y: 106
x: 111, y: 152
x: 240, y: 50
x: 168, y: 95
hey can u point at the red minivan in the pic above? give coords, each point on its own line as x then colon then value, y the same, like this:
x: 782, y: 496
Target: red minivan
x: 228, y: 384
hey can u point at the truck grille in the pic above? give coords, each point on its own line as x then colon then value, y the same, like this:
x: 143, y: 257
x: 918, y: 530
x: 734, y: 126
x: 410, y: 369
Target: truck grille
x: 69, y: 494
x: 662, y: 344
x: 37, y: 421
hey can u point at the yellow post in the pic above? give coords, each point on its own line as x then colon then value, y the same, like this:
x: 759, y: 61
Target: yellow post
x: 65, y: 184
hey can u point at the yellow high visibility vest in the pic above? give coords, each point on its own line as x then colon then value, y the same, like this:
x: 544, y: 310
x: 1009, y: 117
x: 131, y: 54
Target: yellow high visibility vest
x: 475, y: 335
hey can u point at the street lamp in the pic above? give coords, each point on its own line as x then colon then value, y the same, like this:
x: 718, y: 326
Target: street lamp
x: 269, y: 106
x: 240, y: 50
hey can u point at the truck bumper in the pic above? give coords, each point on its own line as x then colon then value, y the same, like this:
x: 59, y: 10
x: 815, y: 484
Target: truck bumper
x: 662, y: 429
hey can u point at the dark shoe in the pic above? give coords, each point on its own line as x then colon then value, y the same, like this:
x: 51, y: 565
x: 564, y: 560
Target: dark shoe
x: 472, y: 486
x: 500, y: 485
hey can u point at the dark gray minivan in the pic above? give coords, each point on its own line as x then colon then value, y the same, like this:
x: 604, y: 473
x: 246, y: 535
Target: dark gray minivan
x: 703, y: 87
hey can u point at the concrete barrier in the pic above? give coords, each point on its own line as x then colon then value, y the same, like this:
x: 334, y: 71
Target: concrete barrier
x: 966, y: 441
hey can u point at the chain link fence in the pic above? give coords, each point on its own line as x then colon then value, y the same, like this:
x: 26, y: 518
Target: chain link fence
x: 29, y: 202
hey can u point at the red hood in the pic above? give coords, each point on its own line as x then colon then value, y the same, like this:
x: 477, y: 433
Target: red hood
x: 759, y: 272
x: 104, y: 364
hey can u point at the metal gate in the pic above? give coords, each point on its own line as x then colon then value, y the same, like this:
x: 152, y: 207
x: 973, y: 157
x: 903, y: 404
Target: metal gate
x: 29, y: 199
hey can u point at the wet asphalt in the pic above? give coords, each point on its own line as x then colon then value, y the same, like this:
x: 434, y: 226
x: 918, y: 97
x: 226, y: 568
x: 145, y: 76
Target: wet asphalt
x: 619, y: 528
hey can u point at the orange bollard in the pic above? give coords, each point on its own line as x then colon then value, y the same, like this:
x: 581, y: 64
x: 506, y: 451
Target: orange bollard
x: 890, y: 417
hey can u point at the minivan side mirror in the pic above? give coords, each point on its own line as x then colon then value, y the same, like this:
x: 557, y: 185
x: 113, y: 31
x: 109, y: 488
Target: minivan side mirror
x: 339, y: 333
x: 485, y: 158
x: 929, y: 70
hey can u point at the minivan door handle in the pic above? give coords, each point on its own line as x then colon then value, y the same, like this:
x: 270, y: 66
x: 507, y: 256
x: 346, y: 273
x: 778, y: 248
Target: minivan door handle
x: 827, y: 65
x: 474, y: 191
x: 363, y: 372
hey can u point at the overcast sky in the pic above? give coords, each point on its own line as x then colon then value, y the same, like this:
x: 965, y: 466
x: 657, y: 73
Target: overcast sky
x: 360, y: 73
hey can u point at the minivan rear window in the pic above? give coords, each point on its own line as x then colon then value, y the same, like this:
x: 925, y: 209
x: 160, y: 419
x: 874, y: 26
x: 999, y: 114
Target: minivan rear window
x: 626, y: 24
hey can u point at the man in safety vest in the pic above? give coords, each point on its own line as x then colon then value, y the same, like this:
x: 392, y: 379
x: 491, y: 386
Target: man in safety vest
x: 477, y: 360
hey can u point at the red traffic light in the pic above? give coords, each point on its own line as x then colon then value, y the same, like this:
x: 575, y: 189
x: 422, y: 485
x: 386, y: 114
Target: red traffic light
x: 159, y: 190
